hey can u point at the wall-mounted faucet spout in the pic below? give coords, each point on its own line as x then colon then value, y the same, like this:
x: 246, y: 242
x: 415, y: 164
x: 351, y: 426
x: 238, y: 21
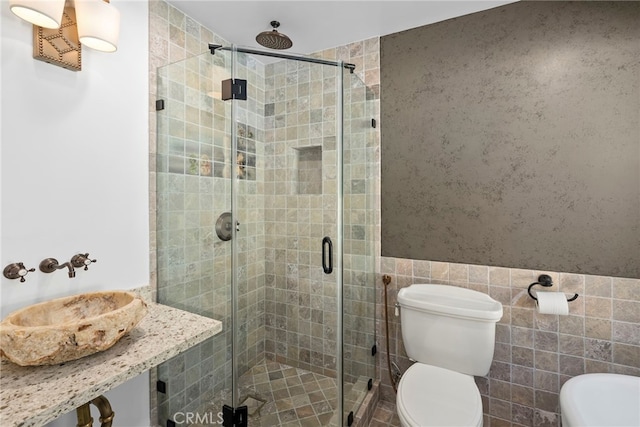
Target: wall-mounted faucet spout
x: 49, y: 265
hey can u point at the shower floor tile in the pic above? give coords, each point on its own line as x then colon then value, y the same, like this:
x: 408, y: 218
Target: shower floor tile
x: 280, y: 395
x: 286, y: 392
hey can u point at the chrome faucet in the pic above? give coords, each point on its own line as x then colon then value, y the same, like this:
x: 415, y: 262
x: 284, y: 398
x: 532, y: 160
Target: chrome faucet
x: 49, y: 265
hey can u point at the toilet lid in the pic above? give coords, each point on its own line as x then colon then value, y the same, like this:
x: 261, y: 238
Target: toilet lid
x: 432, y: 396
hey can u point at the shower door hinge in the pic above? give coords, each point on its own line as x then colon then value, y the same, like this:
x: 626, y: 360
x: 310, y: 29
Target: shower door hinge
x: 374, y: 350
x: 234, y: 89
x: 350, y: 418
x: 161, y: 387
x: 159, y: 104
x: 234, y: 417
x: 370, y: 384
x: 374, y: 124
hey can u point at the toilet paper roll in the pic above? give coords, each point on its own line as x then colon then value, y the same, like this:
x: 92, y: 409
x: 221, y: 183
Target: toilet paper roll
x: 552, y: 303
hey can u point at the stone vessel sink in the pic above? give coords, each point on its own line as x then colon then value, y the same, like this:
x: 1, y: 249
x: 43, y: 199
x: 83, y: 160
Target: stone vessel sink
x: 69, y: 328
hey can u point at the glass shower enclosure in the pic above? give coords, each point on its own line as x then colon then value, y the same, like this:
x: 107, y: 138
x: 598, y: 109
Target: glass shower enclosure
x: 265, y: 222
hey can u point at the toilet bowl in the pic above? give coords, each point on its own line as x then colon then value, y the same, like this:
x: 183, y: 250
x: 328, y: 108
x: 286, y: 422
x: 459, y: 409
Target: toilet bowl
x: 450, y: 333
x: 433, y: 396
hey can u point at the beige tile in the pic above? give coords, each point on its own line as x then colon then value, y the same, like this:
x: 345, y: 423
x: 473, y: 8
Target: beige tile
x: 522, y: 317
x: 628, y: 355
x: 501, y: 409
x: 545, y: 360
x: 571, y: 365
x: 598, y: 349
x: 548, y: 381
x: 522, y: 375
x: 626, y: 311
x: 547, y: 401
x: 627, y: 289
x: 499, y: 276
x: 596, y: 366
x: 573, y: 325
x: 501, y: 294
x: 597, y: 328
x: 522, y: 356
x: 421, y: 268
x: 628, y: 333
x: 459, y: 273
x: 597, y: 307
x: 404, y: 267
x: 571, y: 345
x: 439, y: 270
x: 479, y: 274
x: 522, y: 414
x: 522, y: 278
x: 500, y: 389
x: 598, y: 286
x: 522, y: 337
x: 522, y: 395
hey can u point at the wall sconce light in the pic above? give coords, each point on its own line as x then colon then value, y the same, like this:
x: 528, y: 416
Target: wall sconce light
x: 61, y: 28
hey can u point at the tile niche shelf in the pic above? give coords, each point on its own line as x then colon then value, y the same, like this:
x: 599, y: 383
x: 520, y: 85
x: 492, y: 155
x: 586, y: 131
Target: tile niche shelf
x: 35, y: 395
x: 309, y: 170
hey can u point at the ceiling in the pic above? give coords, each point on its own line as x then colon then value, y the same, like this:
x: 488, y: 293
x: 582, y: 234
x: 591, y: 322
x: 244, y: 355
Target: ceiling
x: 317, y: 25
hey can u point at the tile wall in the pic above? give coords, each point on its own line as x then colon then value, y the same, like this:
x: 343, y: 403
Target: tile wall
x: 300, y: 299
x: 301, y: 108
x: 535, y: 353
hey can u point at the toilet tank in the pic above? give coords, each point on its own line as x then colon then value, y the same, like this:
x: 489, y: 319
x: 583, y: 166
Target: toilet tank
x: 450, y: 327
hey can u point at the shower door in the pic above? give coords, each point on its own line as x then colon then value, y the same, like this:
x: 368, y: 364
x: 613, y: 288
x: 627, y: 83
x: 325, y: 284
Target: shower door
x: 193, y: 190
x: 358, y: 287
x: 287, y: 198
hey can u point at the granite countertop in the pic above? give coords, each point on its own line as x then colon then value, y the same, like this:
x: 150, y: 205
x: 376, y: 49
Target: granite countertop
x: 33, y: 396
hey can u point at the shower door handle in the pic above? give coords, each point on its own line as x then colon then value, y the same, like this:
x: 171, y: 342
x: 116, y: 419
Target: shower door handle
x: 327, y: 255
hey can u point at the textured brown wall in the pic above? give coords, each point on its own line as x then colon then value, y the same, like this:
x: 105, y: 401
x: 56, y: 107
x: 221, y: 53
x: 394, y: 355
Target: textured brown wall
x: 511, y: 137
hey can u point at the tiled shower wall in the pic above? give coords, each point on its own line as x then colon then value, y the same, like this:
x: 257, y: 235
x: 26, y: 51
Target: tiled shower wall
x: 300, y: 129
x: 535, y: 353
x: 299, y: 301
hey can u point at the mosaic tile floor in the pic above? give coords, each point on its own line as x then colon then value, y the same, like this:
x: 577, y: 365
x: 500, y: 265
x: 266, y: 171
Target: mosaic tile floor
x: 280, y: 395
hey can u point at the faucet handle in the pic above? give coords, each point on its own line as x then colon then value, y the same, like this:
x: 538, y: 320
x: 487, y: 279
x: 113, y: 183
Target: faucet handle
x: 17, y: 270
x: 82, y: 260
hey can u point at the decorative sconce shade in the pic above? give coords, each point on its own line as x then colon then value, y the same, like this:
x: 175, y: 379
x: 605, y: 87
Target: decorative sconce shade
x: 44, y: 13
x: 98, y: 24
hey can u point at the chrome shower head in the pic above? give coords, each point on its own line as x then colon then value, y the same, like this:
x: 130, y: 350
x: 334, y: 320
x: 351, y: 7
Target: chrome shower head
x: 274, y: 39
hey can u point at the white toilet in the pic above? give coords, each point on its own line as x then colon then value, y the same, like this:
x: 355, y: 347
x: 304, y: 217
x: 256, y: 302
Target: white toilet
x: 450, y: 333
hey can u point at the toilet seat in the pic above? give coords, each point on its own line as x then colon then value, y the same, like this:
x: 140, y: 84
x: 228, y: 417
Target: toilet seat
x: 433, y: 396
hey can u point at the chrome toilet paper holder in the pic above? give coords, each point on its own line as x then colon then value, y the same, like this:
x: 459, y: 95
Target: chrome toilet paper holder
x: 546, y: 281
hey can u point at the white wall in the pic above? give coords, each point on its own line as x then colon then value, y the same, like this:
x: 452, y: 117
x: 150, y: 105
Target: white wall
x: 74, y: 168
